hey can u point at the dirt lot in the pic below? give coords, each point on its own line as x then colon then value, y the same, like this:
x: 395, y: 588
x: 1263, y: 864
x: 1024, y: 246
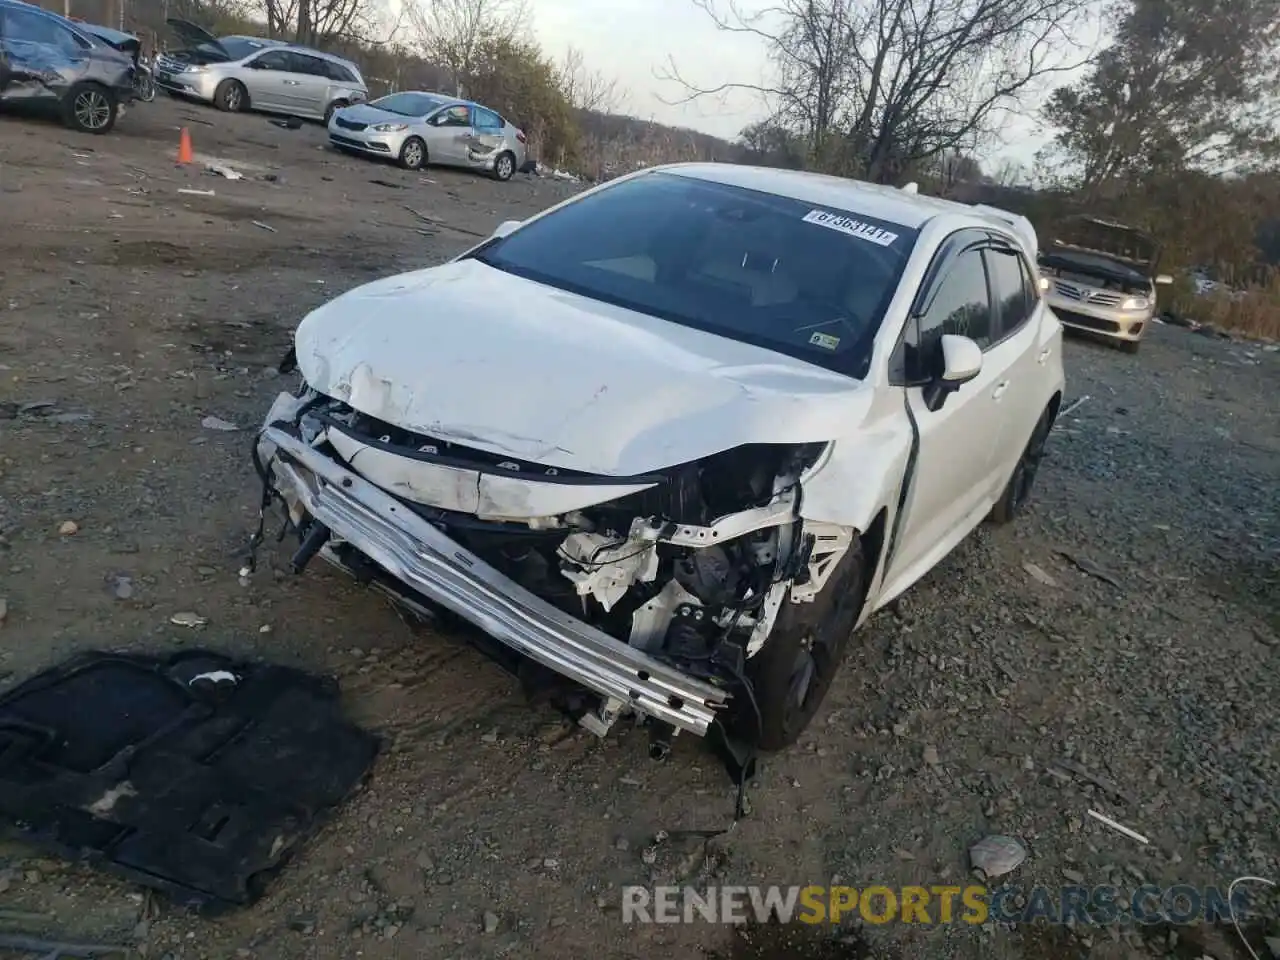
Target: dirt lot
x: 1142, y: 642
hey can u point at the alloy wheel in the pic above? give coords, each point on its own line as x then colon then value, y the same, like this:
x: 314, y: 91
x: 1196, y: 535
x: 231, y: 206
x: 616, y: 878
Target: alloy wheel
x: 92, y: 109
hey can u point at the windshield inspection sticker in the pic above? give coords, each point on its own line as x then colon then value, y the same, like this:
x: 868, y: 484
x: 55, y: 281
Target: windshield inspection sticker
x: 824, y: 340
x: 854, y: 228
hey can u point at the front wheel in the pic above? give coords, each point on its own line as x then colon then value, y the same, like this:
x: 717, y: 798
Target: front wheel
x: 504, y: 167
x: 792, y: 672
x: 1018, y: 491
x: 413, y: 154
x: 231, y: 96
x: 90, y: 108
x: 146, y: 88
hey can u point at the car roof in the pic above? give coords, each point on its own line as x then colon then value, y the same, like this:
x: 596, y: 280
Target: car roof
x: 892, y: 204
x: 446, y: 99
x: 299, y: 48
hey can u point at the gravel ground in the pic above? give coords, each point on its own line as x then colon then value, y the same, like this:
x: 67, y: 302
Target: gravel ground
x: 1127, y: 627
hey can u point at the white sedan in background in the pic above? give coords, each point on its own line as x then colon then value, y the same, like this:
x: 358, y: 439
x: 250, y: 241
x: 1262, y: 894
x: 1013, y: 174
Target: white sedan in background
x: 675, y: 438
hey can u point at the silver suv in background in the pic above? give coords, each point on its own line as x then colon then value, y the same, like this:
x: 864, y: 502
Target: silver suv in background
x: 1100, y: 277
x: 252, y: 73
x: 415, y: 128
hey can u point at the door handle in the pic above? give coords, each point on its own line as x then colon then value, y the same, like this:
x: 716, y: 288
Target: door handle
x: 1044, y: 355
x: 294, y: 83
x: 998, y: 392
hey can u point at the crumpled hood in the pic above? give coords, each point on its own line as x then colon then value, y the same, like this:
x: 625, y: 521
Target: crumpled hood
x: 470, y: 354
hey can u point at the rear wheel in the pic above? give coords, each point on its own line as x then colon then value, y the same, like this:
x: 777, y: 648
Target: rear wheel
x: 1018, y: 491
x: 231, y: 96
x: 90, y: 108
x: 413, y: 154
x: 504, y: 167
x: 333, y: 108
x: 792, y: 672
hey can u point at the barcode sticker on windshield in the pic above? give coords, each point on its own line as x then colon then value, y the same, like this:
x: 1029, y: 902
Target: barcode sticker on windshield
x: 851, y: 226
x: 824, y: 340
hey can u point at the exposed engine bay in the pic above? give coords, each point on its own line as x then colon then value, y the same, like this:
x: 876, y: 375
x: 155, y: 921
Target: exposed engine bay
x: 689, y: 565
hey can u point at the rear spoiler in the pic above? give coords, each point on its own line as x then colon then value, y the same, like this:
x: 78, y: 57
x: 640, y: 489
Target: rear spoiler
x: 1021, y: 226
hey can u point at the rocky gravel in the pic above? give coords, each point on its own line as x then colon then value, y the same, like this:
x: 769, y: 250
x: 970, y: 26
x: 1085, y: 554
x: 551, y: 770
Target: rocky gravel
x: 1115, y: 650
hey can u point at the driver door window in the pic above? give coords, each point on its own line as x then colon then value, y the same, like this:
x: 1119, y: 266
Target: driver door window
x: 961, y: 306
x: 274, y: 60
x: 455, y: 117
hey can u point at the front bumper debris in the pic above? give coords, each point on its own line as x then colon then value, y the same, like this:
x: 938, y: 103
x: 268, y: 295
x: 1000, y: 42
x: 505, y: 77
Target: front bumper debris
x: 415, y: 552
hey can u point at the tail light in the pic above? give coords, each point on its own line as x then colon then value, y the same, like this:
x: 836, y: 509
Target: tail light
x: 520, y: 136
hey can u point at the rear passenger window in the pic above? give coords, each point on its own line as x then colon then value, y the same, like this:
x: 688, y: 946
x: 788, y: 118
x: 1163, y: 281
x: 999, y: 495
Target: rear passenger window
x: 336, y: 71
x: 310, y: 66
x: 487, y: 120
x: 1013, y: 294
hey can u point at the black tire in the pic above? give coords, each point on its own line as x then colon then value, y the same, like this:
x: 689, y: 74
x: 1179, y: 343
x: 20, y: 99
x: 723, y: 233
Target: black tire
x: 413, y: 153
x: 504, y: 166
x: 1018, y: 490
x: 231, y: 96
x: 1130, y: 346
x: 90, y: 108
x: 792, y: 672
x: 333, y: 108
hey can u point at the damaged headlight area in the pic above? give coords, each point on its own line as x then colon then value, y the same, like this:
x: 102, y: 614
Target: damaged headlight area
x: 686, y: 567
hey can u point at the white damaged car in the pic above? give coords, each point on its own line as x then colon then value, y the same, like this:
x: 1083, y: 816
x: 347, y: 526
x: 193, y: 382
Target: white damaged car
x: 675, y: 438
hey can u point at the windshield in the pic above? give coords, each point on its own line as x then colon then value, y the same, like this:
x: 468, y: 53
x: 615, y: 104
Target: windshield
x: 237, y: 47
x: 408, y: 104
x: 754, y: 267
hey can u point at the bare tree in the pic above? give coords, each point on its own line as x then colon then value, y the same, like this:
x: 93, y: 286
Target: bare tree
x: 877, y: 86
x: 584, y: 88
x: 1011, y: 173
x: 321, y: 23
x: 455, y: 33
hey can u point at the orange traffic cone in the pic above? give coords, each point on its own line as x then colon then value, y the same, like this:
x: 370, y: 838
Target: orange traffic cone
x: 185, y: 155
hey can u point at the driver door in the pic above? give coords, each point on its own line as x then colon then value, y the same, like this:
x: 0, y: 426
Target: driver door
x: 448, y: 134
x: 267, y: 79
x: 953, y: 482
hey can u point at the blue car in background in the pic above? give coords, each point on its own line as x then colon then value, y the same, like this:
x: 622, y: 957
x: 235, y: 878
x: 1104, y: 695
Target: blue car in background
x: 86, y: 73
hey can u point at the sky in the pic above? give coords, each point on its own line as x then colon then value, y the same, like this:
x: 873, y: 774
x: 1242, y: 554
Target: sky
x: 634, y: 41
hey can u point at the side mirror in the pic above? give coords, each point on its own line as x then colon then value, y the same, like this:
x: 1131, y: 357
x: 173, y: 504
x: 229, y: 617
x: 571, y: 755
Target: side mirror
x: 961, y: 361
x: 1164, y: 280
x: 505, y: 228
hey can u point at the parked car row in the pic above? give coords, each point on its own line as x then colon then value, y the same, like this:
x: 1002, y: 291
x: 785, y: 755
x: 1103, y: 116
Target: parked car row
x: 236, y: 73
x: 91, y: 73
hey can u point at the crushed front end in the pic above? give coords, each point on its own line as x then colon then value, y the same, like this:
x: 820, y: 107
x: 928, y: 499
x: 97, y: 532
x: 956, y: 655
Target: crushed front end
x: 649, y: 593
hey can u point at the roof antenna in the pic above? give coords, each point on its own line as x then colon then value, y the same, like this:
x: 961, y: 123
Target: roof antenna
x: 911, y: 187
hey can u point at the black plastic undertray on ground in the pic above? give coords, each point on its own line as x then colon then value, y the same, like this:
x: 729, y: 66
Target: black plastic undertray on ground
x: 194, y: 775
